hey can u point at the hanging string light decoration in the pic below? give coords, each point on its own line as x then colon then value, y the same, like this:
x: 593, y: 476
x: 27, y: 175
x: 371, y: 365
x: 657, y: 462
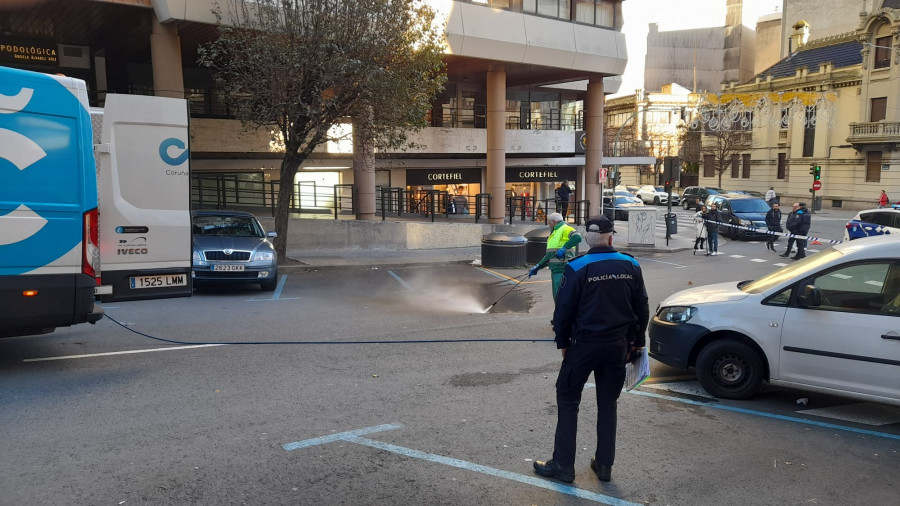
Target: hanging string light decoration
x: 743, y: 111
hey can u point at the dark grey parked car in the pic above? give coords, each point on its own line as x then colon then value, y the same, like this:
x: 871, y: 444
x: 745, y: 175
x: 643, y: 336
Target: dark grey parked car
x: 690, y: 195
x: 231, y: 247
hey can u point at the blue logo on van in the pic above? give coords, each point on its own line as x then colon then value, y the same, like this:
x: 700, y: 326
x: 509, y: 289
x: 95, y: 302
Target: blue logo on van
x: 170, y: 143
x: 47, y: 170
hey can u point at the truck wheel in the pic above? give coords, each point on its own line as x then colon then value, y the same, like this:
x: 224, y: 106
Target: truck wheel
x: 729, y: 369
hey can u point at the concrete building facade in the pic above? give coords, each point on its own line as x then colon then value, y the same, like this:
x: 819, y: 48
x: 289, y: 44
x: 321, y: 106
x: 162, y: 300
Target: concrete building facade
x: 522, y: 109
x: 838, y: 98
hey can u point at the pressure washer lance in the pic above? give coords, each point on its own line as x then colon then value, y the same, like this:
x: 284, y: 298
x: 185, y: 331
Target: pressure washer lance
x: 505, y: 294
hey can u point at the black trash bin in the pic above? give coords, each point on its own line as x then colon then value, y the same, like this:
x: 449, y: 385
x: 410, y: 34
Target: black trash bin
x: 817, y: 204
x: 671, y: 224
x: 609, y: 212
x: 537, y: 244
x: 503, y: 250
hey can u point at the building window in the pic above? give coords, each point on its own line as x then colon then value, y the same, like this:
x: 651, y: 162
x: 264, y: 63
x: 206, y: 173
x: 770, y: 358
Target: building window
x: 873, y: 167
x: 745, y: 173
x: 606, y: 14
x: 883, y: 52
x: 735, y: 166
x: 709, y: 169
x: 878, y: 110
x: 782, y: 165
x: 809, y: 131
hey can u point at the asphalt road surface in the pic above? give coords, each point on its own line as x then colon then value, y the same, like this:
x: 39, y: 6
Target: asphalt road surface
x: 396, y: 388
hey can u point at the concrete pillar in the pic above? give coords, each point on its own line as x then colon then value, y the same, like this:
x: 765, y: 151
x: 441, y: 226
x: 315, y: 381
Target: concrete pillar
x: 165, y: 54
x: 593, y: 125
x: 364, y: 169
x: 496, y: 142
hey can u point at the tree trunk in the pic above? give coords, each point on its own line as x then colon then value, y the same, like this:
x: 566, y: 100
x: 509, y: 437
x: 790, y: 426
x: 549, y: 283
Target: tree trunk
x: 285, y: 193
x: 364, y: 168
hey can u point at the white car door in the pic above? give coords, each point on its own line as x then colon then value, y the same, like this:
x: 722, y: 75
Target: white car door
x: 851, y: 342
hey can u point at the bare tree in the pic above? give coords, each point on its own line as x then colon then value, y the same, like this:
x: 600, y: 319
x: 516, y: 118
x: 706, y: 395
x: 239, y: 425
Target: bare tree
x: 304, y: 66
x: 723, y: 147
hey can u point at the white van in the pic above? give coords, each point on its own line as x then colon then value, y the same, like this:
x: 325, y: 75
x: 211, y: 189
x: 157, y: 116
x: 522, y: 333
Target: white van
x: 828, y: 323
x: 54, y: 231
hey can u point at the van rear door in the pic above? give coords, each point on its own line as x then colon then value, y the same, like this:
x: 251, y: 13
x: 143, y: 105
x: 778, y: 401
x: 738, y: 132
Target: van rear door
x: 143, y: 165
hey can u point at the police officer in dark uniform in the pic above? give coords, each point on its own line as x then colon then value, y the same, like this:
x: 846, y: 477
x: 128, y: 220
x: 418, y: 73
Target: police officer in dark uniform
x: 601, y: 318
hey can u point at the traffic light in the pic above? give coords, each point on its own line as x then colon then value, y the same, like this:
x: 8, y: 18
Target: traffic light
x: 617, y: 179
x: 816, y: 171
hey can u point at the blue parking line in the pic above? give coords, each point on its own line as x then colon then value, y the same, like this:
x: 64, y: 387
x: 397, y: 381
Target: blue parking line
x: 405, y: 285
x: 499, y: 473
x: 340, y: 436
x: 277, y: 293
x: 353, y: 437
x: 769, y: 415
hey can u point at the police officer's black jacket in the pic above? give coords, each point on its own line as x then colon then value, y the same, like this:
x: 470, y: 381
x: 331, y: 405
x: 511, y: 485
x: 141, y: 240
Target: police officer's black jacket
x: 602, y: 297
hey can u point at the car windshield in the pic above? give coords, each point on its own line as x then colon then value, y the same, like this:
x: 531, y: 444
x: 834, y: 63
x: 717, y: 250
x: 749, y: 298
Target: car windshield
x: 715, y: 191
x: 233, y: 226
x: 749, y: 206
x: 624, y: 200
x: 792, y: 272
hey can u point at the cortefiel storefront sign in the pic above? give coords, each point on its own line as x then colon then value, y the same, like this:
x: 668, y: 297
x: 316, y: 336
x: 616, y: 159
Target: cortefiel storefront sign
x: 427, y: 177
x: 536, y: 174
x: 24, y: 51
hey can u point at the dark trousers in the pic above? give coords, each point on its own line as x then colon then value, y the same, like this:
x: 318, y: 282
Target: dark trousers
x: 790, y: 245
x: 607, y: 362
x: 773, y: 237
x: 801, y: 245
x: 712, y: 240
x: 698, y: 242
x: 562, y: 207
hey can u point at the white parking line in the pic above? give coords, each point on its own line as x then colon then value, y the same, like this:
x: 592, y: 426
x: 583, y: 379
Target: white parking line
x: 758, y: 260
x: 130, y: 352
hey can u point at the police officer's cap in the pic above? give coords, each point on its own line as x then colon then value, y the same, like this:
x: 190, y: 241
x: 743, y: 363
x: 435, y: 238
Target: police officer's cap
x: 599, y: 224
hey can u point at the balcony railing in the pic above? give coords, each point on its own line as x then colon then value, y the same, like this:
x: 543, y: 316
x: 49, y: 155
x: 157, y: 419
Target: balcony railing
x: 877, y: 131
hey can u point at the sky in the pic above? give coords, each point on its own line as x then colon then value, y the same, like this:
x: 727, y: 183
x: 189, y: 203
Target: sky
x: 671, y: 15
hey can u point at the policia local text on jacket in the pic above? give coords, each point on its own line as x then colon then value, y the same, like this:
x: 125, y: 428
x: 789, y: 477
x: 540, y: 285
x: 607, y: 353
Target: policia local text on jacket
x: 602, y: 313
x: 564, y: 237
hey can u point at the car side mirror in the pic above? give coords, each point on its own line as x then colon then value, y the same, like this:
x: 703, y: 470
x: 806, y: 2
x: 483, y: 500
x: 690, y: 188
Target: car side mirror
x: 810, y: 296
x: 272, y: 235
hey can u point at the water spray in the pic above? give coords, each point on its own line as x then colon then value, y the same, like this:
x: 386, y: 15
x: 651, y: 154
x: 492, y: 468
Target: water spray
x: 505, y: 294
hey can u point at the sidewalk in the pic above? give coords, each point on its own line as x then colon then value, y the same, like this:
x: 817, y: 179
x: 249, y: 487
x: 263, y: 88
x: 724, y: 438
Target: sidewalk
x: 316, y: 258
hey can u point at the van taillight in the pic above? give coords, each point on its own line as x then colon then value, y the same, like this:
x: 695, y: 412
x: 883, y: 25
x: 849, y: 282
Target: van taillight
x: 90, y: 249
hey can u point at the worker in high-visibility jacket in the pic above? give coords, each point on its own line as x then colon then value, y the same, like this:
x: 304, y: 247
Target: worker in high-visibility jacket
x: 560, y: 248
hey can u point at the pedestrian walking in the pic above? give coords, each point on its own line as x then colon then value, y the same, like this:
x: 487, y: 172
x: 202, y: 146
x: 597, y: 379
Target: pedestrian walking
x: 883, y: 199
x: 712, y: 218
x: 700, y: 240
x: 602, y: 316
x: 560, y: 249
x: 773, y: 223
x: 797, y: 224
x: 563, y: 192
x: 771, y: 198
x: 804, y: 220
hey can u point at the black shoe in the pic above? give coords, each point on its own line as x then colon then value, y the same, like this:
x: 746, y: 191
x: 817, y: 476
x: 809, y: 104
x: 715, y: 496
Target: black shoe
x: 797, y: 258
x: 554, y: 470
x: 785, y: 255
x: 603, y: 472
